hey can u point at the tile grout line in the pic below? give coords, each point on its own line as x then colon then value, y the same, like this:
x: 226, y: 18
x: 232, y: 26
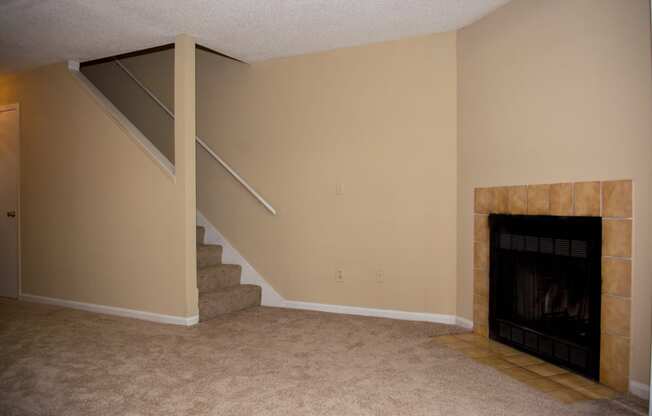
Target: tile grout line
x: 590, y: 385
x: 617, y: 257
x: 616, y: 296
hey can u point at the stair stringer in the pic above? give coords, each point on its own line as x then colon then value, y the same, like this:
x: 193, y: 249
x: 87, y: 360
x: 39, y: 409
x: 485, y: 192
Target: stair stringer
x: 230, y: 255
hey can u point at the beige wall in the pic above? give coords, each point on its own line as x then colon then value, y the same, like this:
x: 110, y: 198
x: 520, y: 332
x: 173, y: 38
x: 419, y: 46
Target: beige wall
x: 381, y: 121
x: 100, y: 220
x: 555, y: 91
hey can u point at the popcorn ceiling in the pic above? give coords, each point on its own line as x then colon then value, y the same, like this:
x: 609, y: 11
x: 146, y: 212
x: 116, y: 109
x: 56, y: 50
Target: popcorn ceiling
x: 36, y: 32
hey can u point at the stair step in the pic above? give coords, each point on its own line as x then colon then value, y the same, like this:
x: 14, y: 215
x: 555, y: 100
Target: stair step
x: 201, y: 232
x: 208, y: 255
x: 213, y: 304
x: 222, y: 276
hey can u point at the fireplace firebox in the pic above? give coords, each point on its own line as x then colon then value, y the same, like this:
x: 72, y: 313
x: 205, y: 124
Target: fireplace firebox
x: 545, y: 288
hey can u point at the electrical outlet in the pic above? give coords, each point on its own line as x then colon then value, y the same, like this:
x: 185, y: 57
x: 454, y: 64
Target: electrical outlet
x: 339, y: 189
x: 339, y: 276
x: 380, y: 276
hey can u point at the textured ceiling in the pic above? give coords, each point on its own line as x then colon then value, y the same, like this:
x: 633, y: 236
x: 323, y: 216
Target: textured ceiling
x: 36, y: 32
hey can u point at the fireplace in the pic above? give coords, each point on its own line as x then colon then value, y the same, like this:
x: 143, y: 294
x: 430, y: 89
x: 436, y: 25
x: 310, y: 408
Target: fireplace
x: 545, y: 287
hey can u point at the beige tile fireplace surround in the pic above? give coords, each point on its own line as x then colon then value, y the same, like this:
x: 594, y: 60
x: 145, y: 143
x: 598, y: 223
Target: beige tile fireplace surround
x: 611, y: 200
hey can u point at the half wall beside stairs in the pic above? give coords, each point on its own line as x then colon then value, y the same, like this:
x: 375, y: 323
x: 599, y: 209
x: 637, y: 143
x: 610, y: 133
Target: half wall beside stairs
x: 92, y: 231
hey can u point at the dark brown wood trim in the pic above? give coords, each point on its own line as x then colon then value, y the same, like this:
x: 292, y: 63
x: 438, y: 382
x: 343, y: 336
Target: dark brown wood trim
x: 128, y: 55
x: 152, y: 50
x: 205, y: 49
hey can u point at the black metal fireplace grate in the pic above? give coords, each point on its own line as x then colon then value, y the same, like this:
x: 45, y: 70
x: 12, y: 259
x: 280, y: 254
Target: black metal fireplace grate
x: 545, y: 288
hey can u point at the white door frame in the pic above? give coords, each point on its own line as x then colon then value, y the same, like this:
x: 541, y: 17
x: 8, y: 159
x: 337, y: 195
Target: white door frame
x: 16, y: 107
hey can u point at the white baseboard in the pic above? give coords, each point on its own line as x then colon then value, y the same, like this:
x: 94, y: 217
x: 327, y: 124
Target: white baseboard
x: 112, y: 310
x: 230, y: 255
x: 640, y: 390
x: 463, y: 322
x: 272, y: 298
x: 379, y: 313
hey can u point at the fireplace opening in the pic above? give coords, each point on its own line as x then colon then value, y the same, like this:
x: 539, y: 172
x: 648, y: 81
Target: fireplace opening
x: 545, y: 286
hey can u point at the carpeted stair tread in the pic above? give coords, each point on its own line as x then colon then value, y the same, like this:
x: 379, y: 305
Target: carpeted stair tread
x: 208, y: 255
x: 212, y: 304
x: 218, y: 284
x: 221, y: 276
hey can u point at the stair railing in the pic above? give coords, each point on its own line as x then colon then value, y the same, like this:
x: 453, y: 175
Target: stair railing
x: 199, y: 141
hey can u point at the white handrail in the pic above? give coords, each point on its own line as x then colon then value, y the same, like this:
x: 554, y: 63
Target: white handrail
x: 200, y: 141
x: 235, y: 175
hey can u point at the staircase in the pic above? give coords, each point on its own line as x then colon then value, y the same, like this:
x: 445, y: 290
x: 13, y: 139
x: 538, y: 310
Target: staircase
x: 219, y: 285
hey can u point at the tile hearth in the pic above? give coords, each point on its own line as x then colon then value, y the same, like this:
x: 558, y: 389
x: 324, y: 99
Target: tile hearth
x: 554, y: 381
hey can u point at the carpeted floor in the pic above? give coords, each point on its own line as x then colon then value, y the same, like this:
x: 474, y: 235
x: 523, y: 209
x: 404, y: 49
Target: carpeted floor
x: 262, y: 361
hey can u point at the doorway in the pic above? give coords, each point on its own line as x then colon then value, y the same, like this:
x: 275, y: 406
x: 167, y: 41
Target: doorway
x: 9, y: 202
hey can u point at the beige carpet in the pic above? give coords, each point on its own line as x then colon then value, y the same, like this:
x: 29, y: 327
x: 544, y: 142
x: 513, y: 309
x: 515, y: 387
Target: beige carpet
x: 261, y: 361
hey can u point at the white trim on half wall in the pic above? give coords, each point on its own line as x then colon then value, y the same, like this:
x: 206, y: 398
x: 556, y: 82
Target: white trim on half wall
x: 112, y: 310
x: 123, y: 122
